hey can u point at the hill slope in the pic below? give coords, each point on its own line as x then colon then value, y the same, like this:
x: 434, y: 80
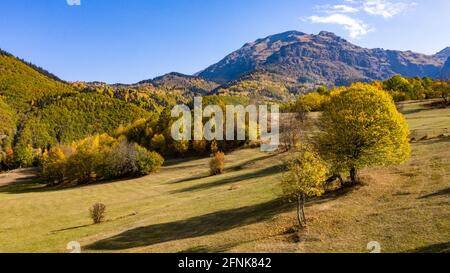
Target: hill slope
x: 37, y: 108
x: 322, y: 58
x: 22, y: 85
x: 190, y: 84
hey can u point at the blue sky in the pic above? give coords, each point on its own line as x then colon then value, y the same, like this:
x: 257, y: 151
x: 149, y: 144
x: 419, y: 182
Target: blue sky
x: 131, y: 40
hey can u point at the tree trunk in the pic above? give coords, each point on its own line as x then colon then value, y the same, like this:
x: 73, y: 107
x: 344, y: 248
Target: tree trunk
x: 299, y: 216
x: 301, y: 210
x: 353, y: 175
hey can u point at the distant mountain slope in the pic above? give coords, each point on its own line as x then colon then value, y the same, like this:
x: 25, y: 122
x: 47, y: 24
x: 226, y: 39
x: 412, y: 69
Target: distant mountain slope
x: 443, y: 55
x: 261, y: 85
x: 445, y: 73
x: 323, y: 58
x: 153, y: 94
x: 190, y: 84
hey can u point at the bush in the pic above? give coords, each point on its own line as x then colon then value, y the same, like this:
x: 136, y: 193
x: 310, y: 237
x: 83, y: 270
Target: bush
x: 147, y: 162
x: 217, y: 163
x: 97, y: 213
x: 24, y: 156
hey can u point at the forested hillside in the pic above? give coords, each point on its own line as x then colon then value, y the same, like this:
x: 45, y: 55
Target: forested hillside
x: 38, y: 110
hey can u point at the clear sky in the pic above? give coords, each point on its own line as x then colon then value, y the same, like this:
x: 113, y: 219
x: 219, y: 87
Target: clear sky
x: 131, y: 40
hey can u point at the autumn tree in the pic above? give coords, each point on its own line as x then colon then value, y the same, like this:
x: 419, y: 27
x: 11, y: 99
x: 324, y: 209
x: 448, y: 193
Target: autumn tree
x: 158, y: 143
x: 24, y: 156
x: 292, y: 127
x: 443, y: 91
x: 361, y: 127
x: 304, y: 178
x: 217, y: 163
x: 312, y: 102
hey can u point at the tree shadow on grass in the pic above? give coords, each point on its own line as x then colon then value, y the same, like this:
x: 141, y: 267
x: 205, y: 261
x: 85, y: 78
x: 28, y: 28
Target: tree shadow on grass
x: 229, y: 169
x: 438, y: 193
x: 35, y: 185
x: 413, y: 111
x: 193, y: 227
x: 20, y: 181
x: 434, y: 140
x: 177, y: 161
x: 204, y: 225
x: 436, y: 248
x: 220, y: 182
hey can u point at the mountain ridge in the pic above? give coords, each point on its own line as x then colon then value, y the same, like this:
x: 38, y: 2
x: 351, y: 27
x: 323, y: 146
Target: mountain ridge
x: 323, y: 58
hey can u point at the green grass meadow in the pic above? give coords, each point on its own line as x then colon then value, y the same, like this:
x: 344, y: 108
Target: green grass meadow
x: 182, y: 209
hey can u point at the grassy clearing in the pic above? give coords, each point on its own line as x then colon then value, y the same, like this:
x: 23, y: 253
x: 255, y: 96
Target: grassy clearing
x: 181, y: 209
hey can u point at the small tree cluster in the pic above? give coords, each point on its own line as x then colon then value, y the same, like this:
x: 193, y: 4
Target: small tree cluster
x: 97, y: 158
x: 359, y: 127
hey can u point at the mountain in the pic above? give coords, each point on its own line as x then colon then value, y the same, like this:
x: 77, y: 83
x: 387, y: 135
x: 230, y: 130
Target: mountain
x: 321, y: 59
x: 190, y: 84
x: 445, y: 73
x: 443, y: 55
x: 153, y: 94
x: 261, y: 84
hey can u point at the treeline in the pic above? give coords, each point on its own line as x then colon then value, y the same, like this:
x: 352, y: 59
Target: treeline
x: 154, y: 133
x: 145, y: 96
x: 400, y: 88
x: 35, y: 67
x: 96, y: 158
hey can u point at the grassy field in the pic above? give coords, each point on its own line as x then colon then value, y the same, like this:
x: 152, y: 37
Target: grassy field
x: 180, y: 209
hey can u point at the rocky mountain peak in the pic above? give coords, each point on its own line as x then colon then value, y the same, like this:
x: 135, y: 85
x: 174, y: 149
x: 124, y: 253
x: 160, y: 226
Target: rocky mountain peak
x: 443, y: 55
x: 324, y: 58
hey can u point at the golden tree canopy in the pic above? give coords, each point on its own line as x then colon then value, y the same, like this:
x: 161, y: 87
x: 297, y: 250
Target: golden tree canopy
x: 306, y: 174
x: 362, y: 127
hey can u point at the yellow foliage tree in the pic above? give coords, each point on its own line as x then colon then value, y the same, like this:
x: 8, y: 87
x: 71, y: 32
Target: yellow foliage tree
x: 312, y: 102
x: 158, y: 143
x: 362, y: 127
x: 304, y: 178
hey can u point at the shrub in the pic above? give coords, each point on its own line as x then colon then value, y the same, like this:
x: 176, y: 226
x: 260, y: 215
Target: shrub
x: 158, y: 143
x: 8, y: 159
x: 24, y: 156
x: 199, y: 146
x: 97, y: 213
x: 217, y: 163
x: 147, y: 162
